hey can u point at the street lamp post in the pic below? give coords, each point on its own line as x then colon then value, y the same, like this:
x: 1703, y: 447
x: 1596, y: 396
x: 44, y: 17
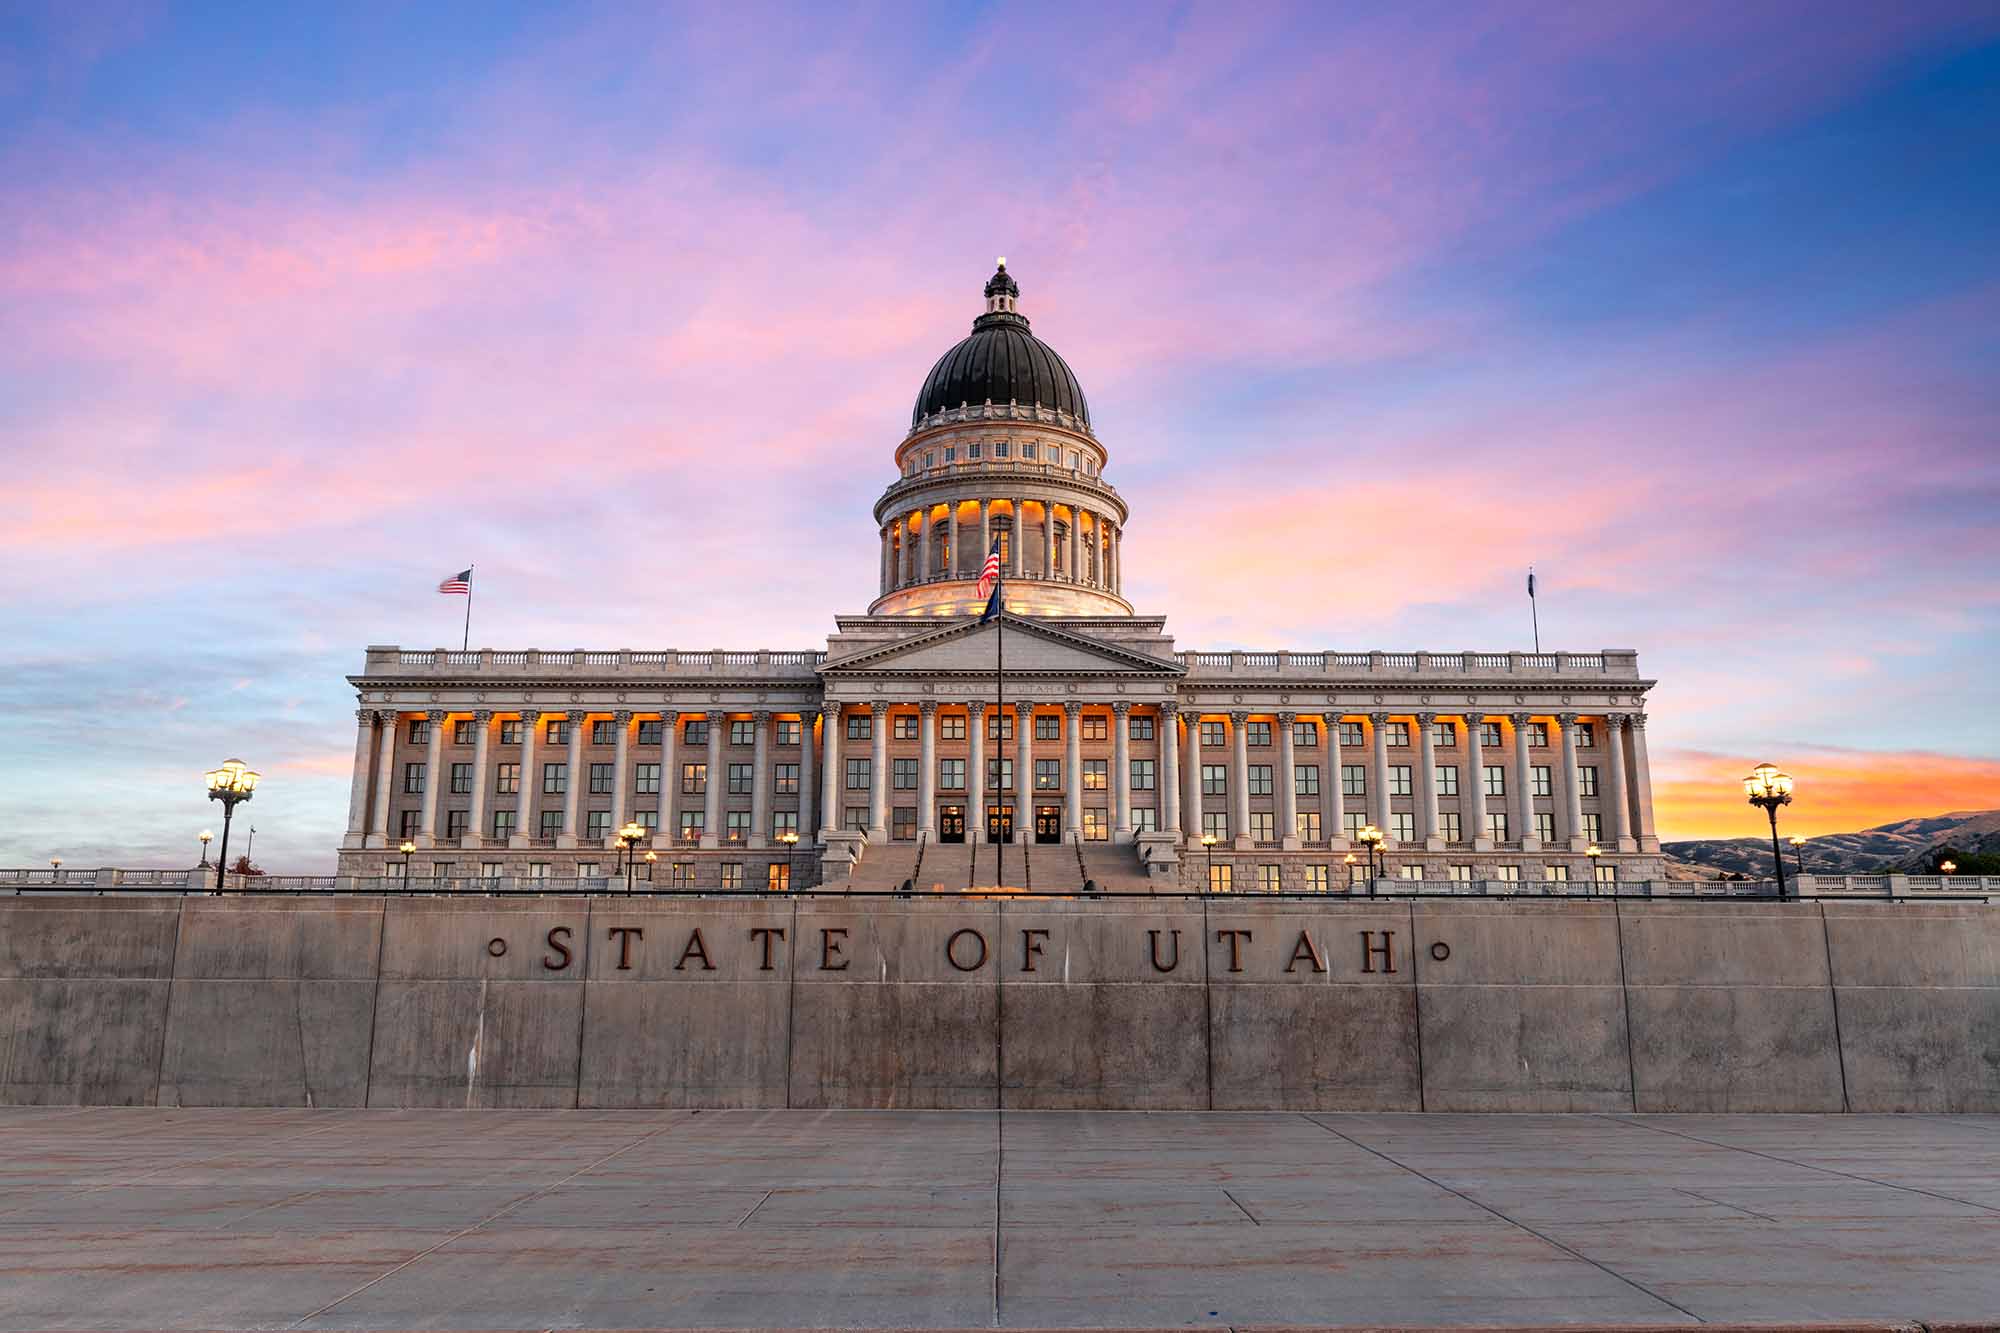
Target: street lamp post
x: 630, y: 837
x: 1208, y: 841
x: 1371, y: 838
x: 1593, y: 852
x: 791, y: 841
x: 651, y: 858
x: 406, y: 848
x: 1768, y: 789
x: 55, y: 869
x: 232, y: 784
x: 1350, y: 861
x: 1799, y: 855
x: 205, y: 837
x: 1948, y: 867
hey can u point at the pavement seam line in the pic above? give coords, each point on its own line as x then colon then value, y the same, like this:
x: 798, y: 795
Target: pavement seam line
x: 1733, y: 1207
x: 1513, y: 1222
x: 753, y: 1209
x: 1808, y: 1166
x: 1240, y: 1208
x: 494, y: 1216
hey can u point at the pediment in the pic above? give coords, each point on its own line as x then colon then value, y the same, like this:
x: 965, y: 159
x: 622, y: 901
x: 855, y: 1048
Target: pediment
x: 970, y: 648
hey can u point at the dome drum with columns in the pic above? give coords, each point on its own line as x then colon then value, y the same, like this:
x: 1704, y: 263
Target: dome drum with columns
x: 889, y: 757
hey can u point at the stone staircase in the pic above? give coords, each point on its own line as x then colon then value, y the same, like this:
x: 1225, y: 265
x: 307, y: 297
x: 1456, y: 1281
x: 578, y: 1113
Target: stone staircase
x: 946, y: 867
x: 884, y: 868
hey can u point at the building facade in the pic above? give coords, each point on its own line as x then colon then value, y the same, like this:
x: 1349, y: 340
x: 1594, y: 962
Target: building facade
x: 901, y: 754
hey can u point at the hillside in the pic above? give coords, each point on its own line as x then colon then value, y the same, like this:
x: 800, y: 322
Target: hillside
x: 1898, y: 846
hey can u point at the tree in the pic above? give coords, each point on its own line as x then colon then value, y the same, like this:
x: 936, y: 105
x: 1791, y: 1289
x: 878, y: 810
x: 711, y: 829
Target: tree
x: 1965, y: 863
x: 243, y: 867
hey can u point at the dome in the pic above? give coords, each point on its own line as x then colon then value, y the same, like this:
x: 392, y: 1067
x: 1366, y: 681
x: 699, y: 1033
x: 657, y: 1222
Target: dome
x: 1001, y: 362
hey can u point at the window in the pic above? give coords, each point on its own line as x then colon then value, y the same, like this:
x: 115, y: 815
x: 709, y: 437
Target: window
x: 1214, y: 734
x: 1462, y: 874
x: 1540, y: 780
x: 1447, y: 779
x: 1350, y: 733
x: 396, y: 869
x: 454, y: 823
x: 503, y: 823
x: 489, y: 870
x: 1357, y: 872
x: 785, y: 779
x: 1263, y: 826
x: 1096, y: 774
x: 695, y: 732
x: 742, y: 779
x: 951, y: 727
x: 1396, y: 733
x: 555, y: 779
x: 951, y: 774
x: 743, y: 731
x: 602, y: 732
x: 1268, y: 880
x: 1556, y: 874
x: 694, y: 823
x: 1593, y: 826
x: 857, y: 774
x: 1260, y: 779
x: 461, y: 733
x: 1507, y: 874
x: 1048, y: 775
x: 1075, y: 461
x: 1218, y: 878
x: 1399, y: 779
x: 461, y: 779
x: 1139, y: 728
x: 1351, y: 822
x: 903, y: 823
x: 647, y: 819
x: 1403, y: 826
x: 1214, y: 780
x: 1308, y: 825
x: 694, y: 779
x: 1496, y: 825
x: 538, y: 870
x: 736, y: 825
x: 1448, y: 826
x: 420, y: 731
x: 1545, y: 826
x: 903, y: 727
x: 860, y: 727
x: 1029, y: 450
x: 1353, y: 780
x: 1305, y: 779
x: 903, y: 774
x: 1316, y: 879
x: 600, y: 780
x: 1538, y: 735
x: 1142, y: 775
x: 511, y: 733
x: 790, y: 731
x: 951, y: 453
x: 732, y: 874
x: 1095, y: 827
x: 1409, y: 872
x: 646, y: 779
x: 1586, y: 780
x: 552, y: 823
x: 1145, y: 819
x: 1605, y: 874
x: 855, y: 819
x: 1048, y: 727
x: 1000, y: 448
x: 1000, y: 726
x: 413, y: 779
x: 651, y: 733
x: 597, y: 824
x: 557, y: 731
x: 778, y: 877
x: 1259, y: 733
x: 974, y: 449
x: 1000, y: 774
x: 1489, y: 733
x: 1444, y: 734
x: 1215, y: 824
x: 1586, y: 735
x: 1496, y: 780
x: 930, y: 458
x: 783, y: 822
x: 682, y: 875
x: 1094, y: 726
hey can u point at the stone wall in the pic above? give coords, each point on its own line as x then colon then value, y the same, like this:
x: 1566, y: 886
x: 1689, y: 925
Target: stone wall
x: 1235, y: 1003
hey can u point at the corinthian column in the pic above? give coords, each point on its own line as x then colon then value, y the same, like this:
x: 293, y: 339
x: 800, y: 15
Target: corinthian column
x: 1572, y: 798
x: 573, y: 786
x: 1642, y: 787
x: 1167, y: 790
x: 829, y: 804
x: 975, y: 765
x: 1024, y: 771
x: 1426, y: 789
x: 760, y: 780
x: 878, y: 774
x: 670, y: 774
x: 475, y: 818
x: 1192, y: 822
x: 433, y: 760
x: 357, y: 791
x: 927, y: 764
x: 711, y: 810
x: 1121, y: 772
x: 1524, y: 790
x: 1378, y: 780
x: 621, y: 772
x: 524, y: 800
x: 1472, y: 795
x: 1073, y: 771
x: 1286, y: 781
x: 1239, y: 779
x: 808, y: 827
x: 385, y: 775
x: 1020, y: 537
x: 1613, y: 800
x: 1333, y: 803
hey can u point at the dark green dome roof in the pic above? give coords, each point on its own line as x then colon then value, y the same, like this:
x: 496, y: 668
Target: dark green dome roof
x: 1001, y: 362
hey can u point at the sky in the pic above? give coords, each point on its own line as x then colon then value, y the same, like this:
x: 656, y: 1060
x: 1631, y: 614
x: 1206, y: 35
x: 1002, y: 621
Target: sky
x: 1693, y: 306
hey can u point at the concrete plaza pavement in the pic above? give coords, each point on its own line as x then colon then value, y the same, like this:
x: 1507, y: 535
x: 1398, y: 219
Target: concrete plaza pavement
x: 126, y: 1218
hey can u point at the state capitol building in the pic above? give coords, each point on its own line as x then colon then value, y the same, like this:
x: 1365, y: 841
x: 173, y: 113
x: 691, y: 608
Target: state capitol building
x: 1104, y: 755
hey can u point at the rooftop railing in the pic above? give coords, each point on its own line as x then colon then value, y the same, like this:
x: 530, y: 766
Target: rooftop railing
x: 535, y: 661
x: 1622, y: 664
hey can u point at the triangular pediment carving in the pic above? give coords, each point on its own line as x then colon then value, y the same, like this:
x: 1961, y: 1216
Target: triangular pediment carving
x: 1031, y: 648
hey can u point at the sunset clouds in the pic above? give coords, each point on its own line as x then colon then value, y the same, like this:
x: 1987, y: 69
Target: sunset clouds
x: 1691, y: 306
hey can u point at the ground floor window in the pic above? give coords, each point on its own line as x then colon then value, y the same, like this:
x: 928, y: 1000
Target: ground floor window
x: 1607, y: 874
x: 1556, y: 874
x: 683, y: 875
x: 1410, y: 872
x: 1269, y: 880
x: 1507, y: 874
x: 1462, y: 874
x: 732, y: 874
x: 1316, y: 879
x: 779, y: 877
x: 1218, y: 879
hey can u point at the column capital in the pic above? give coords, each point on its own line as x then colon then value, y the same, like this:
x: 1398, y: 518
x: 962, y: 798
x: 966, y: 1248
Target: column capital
x: 1425, y: 719
x: 1472, y: 718
x: 1170, y: 708
x: 1238, y: 718
x: 366, y: 716
x: 1568, y: 720
x: 1637, y: 721
x: 623, y: 717
x: 927, y: 707
x: 876, y: 709
x: 1614, y: 720
x: 1520, y: 719
x: 577, y: 716
x: 1286, y: 719
x: 763, y: 718
x: 716, y: 717
x: 1072, y: 709
x: 482, y: 716
x: 436, y: 715
x: 977, y: 708
x: 669, y: 716
x: 530, y: 716
x: 1122, y: 707
x: 1378, y: 718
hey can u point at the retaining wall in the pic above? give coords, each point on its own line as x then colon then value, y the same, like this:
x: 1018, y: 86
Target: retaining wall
x: 1228, y: 1003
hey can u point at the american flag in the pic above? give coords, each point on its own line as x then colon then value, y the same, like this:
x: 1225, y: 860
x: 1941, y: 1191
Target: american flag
x: 459, y: 582
x: 989, y: 573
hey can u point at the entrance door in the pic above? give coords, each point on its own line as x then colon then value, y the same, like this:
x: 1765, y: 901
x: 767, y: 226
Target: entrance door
x: 951, y: 823
x: 1000, y: 823
x: 1048, y: 823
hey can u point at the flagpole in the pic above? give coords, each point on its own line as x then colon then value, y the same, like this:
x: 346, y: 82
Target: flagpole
x: 465, y: 644
x: 999, y: 710
x: 1534, y: 613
